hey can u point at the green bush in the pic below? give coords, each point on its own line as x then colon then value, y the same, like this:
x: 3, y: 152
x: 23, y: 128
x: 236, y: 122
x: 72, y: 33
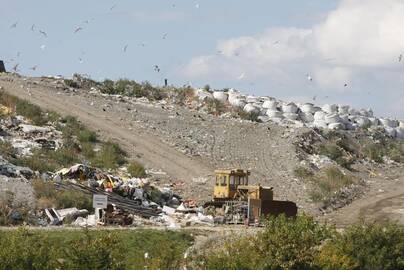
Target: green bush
x: 86, y: 135
x: 110, y: 156
x: 46, y: 191
x: 22, y: 250
x: 285, y: 243
x: 71, y: 83
x: 336, y: 153
x: 135, y: 169
x: 303, y: 173
x: 251, y: 116
x: 327, y: 182
x: 365, y: 246
x: 215, y: 106
x: 66, y: 249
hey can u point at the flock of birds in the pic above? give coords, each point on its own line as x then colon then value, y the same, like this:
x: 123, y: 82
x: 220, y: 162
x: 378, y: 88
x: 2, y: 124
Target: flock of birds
x: 156, y: 68
x: 76, y: 30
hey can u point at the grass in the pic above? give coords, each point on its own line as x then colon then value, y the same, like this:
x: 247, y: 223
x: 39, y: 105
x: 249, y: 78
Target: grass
x: 215, y: 106
x: 251, y: 116
x: 48, y: 197
x: 303, y: 173
x: 336, y: 153
x: 65, y: 249
x: 136, y: 169
x: 328, y: 182
x: 132, y: 88
x: 110, y: 156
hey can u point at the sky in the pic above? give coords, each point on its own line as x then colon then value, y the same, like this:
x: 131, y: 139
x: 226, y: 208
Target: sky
x: 351, y: 49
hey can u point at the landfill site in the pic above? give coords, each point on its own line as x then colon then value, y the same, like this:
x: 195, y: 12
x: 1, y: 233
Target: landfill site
x: 189, y: 141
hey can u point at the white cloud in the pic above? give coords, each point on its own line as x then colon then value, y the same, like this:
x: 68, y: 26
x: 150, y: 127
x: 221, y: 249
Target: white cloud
x: 357, y: 43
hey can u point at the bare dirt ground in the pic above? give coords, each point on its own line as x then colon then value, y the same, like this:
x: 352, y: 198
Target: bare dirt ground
x: 383, y: 202
x: 188, y: 145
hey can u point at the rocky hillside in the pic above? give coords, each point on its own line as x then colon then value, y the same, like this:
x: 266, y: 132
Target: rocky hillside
x: 182, y: 134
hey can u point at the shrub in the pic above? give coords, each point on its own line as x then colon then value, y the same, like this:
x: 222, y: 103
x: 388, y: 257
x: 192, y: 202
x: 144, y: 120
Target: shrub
x: 328, y: 182
x: 135, y: 169
x: 285, y: 243
x: 184, y: 95
x: 215, y: 106
x: 374, y: 152
x: 303, y: 172
x: 48, y: 196
x: 251, y: 116
x: 107, y: 87
x: 336, y: 153
x: 86, y: 135
x: 87, y: 150
x: 71, y: 83
x: 31, y: 111
x: 110, y: 156
x: 22, y: 249
x: 6, y: 149
x: 365, y: 246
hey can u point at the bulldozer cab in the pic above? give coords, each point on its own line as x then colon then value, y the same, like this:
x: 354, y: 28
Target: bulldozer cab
x: 227, y: 181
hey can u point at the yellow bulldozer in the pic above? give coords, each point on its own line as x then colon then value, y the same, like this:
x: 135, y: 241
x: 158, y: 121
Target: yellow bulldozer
x: 242, y: 202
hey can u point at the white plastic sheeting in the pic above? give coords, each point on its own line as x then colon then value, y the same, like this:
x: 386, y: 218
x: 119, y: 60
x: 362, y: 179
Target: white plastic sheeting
x: 249, y: 108
x: 274, y: 114
x: 289, y: 108
x: 330, y: 108
x: 220, y: 95
x: 270, y: 104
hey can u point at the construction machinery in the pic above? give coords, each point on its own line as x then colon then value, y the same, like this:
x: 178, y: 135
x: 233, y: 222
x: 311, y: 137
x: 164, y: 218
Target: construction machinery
x: 241, y: 202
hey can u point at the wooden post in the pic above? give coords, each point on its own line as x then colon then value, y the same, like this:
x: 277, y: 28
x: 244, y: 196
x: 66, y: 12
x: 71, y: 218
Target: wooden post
x: 2, y: 68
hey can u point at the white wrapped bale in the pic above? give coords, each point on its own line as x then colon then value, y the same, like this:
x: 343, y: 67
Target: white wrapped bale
x: 291, y: 116
x: 320, y: 124
x: 249, y: 108
x: 387, y: 122
x: 336, y: 126
x: 319, y: 115
x: 400, y: 132
x: 289, y: 108
x: 401, y: 123
x: 332, y: 118
x: 252, y: 99
x: 353, y: 111
x: 274, y: 114
x: 362, y: 121
x: 391, y: 131
x: 263, y: 119
x: 237, y: 101
x: 270, y: 104
x: 374, y: 121
x: 307, y: 117
x: 220, y: 95
x: 307, y: 108
x: 330, y: 108
x: 202, y: 94
x: 343, y: 109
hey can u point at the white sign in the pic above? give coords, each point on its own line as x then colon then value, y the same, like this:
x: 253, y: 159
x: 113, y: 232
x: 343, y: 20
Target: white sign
x: 100, y: 201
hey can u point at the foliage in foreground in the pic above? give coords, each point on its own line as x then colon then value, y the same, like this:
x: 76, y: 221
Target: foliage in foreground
x: 24, y: 249
x: 303, y: 243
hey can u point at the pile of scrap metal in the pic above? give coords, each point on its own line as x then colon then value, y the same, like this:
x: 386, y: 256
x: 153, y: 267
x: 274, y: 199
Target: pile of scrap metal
x: 126, y: 197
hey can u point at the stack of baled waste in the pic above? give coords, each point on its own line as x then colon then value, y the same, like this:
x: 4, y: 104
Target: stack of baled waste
x: 329, y: 116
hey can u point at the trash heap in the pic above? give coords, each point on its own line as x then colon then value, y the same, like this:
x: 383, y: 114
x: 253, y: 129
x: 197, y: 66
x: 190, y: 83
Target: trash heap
x: 329, y: 116
x: 25, y: 138
x: 138, y: 200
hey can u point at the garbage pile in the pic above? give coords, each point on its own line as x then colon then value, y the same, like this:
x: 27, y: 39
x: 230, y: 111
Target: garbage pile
x: 25, y: 138
x: 329, y: 116
x: 130, y: 200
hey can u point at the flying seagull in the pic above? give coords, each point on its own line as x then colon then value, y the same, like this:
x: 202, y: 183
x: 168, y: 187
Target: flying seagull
x: 400, y: 58
x: 33, y: 68
x: 114, y: 6
x: 15, y: 68
x: 241, y: 76
x: 156, y: 68
x: 125, y: 48
x: 14, y: 25
x: 81, y: 60
x: 345, y: 85
x: 43, y: 33
x: 43, y: 47
x: 78, y: 29
x: 309, y: 78
x: 33, y: 28
x: 164, y: 36
x: 197, y: 5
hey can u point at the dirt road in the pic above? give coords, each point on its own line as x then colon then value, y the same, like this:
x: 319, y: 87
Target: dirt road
x: 381, y: 203
x: 154, y: 153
